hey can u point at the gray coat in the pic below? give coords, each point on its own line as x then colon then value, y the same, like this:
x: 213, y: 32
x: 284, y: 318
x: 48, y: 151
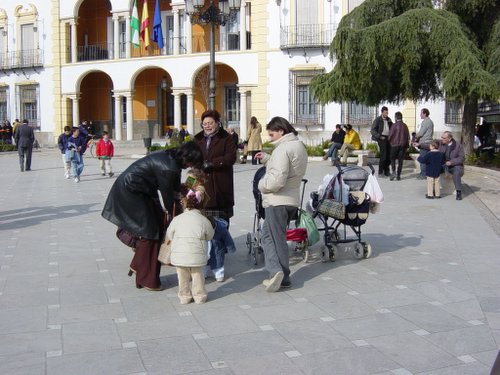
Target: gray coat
x: 24, y: 136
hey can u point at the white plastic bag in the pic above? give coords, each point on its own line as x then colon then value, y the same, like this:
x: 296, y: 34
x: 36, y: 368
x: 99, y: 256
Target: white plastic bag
x: 372, y: 188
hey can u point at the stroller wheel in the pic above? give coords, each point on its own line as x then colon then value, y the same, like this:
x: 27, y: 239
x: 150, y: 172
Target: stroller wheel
x: 367, y: 250
x: 249, y: 243
x: 306, y: 255
x: 359, y: 251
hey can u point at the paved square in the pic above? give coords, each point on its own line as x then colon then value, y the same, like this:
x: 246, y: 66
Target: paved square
x: 427, y: 301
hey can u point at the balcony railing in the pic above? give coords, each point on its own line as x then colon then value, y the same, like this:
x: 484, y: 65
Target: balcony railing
x: 92, y: 52
x: 21, y: 59
x: 307, y: 36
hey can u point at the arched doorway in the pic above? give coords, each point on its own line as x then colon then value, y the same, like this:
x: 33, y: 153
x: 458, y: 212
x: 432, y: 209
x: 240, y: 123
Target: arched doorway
x: 95, y: 33
x: 96, y: 101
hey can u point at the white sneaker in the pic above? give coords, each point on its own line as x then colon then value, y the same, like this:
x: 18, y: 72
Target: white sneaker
x: 66, y: 176
x: 275, y: 282
x: 77, y: 179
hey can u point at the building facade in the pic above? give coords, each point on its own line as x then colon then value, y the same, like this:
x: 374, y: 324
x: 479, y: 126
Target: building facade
x: 63, y: 62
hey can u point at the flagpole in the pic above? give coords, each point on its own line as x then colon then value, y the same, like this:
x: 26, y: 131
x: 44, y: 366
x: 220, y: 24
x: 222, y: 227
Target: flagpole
x: 211, y: 98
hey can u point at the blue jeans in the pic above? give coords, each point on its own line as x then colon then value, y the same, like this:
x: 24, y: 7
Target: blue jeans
x: 332, y: 151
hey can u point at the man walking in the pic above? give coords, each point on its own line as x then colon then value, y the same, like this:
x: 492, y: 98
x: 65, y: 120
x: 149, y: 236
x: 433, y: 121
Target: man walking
x: 336, y: 143
x: 424, y: 138
x: 24, y: 141
x: 399, y: 140
x: 454, y: 155
x: 380, y: 133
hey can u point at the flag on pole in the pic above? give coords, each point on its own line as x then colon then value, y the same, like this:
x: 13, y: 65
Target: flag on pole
x: 157, y: 32
x: 145, y: 24
x: 134, y: 25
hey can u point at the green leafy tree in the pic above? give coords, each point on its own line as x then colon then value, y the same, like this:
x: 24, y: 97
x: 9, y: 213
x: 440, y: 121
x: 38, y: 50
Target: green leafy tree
x: 392, y: 50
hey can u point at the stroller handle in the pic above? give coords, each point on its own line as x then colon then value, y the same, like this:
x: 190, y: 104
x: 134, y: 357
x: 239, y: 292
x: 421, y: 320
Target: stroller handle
x: 369, y: 165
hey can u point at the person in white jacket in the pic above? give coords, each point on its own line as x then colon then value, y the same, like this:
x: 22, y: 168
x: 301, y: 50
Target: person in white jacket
x: 190, y: 233
x: 280, y: 188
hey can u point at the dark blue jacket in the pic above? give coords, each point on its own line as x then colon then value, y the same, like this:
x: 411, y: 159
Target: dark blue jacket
x: 434, y: 162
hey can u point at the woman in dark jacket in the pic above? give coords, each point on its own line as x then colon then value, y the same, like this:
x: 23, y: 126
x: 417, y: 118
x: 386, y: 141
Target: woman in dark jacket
x: 219, y: 153
x: 134, y: 205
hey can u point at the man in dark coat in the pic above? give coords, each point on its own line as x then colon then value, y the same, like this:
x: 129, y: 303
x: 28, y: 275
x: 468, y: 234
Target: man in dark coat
x: 24, y: 141
x: 380, y: 133
x: 219, y: 153
x: 399, y: 137
x: 454, y: 156
x: 134, y: 205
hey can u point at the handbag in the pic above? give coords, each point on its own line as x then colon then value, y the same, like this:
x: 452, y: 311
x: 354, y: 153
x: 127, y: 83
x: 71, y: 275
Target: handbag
x: 332, y: 208
x: 126, y: 237
x: 305, y: 220
x: 165, y: 253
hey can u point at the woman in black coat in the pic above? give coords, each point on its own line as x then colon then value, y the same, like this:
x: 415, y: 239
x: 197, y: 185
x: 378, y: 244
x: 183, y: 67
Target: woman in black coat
x: 134, y: 205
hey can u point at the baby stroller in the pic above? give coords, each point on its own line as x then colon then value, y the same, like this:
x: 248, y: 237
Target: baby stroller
x: 297, y: 235
x: 343, y: 202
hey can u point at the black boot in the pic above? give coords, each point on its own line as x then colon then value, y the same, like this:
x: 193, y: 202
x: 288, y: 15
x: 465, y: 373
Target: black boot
x: 459, y: 195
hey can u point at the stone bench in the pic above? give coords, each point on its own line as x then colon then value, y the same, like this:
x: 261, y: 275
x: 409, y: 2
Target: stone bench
x: 359, y: 157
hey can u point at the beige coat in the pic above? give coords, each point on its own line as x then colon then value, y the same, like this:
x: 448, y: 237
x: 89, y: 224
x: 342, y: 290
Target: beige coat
x: 254, y: 138
x: 190, y: 233
x: 285, y: 168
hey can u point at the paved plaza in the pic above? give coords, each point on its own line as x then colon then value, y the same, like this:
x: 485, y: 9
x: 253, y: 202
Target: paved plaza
x: 426, y: 302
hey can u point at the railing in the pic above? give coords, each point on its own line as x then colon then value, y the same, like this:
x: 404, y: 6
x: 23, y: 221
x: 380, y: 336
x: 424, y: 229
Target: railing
x: 307, y: 36
x: 21, y: 59
x: 92, y: 52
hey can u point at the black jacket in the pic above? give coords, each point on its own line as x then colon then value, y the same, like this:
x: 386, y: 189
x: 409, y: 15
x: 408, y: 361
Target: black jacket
x: 338, y: 137
x: 378, y: 127
x: 133, y: 202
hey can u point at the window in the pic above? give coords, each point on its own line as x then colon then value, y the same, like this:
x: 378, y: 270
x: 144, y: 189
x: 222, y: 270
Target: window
x: 3, y: 104
x: 453, y: 112
x: 233, y: 32
x: 27, y: 45
x: 304, y: 109
x: 28, y: 99
x: 122, y: 27
x: 169, y: 34
x: 232, y: 104
x: 358, y: 114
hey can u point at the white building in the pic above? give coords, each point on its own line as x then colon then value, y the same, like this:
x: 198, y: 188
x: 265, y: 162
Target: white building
x: 63, y: 62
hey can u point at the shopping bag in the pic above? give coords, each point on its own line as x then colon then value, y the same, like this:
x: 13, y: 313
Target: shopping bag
x: 165, y: 253
x: 332, y: 208
x: 305, y: 220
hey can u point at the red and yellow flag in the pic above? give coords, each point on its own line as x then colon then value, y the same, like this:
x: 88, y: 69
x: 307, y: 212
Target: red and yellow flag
x: 145, y: 24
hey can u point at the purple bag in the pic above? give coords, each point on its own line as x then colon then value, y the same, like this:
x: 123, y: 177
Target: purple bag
x: 126, y: 237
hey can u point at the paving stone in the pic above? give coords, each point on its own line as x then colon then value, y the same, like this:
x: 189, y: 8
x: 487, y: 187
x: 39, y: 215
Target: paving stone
x: 341, y: 306
x: 372, y: 326
x: 262, y: 364
x: 419, y: 355
x: 25, y: 319
x: 358, y: 360
x: 431, y: 318
x: 85, y: 313
x: 235, y: 321
x: 178, y: 354
x: 98, y: 335
x: 27, y: 363
x: 283, y: 313
x: 464, y: 341
x: 122, y: 361
x: 392, y: 298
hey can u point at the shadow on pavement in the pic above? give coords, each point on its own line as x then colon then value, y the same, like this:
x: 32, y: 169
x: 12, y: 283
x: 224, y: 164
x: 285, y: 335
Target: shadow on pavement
x: 26, y: 217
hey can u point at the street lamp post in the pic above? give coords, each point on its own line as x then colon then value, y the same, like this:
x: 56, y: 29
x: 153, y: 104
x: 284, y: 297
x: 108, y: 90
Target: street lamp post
x: 214, y: 15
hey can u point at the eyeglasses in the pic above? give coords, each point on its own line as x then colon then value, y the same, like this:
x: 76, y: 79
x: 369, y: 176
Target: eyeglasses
x: 210, y: 123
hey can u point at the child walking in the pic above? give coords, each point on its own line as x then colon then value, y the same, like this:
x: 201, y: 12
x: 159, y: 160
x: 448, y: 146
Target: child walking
x: 105, y: 151
x: 190, y: 233
x: 434, y: 161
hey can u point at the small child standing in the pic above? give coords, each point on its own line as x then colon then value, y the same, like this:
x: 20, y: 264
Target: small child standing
x: 190, y: 233
x: 434, y: 161
x: 105, y: 151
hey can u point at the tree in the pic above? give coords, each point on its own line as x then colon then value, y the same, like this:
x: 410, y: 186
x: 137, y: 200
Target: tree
x: 392, y: 50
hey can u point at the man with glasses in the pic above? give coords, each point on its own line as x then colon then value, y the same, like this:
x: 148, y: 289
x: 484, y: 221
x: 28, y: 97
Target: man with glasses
x: 454, y: 155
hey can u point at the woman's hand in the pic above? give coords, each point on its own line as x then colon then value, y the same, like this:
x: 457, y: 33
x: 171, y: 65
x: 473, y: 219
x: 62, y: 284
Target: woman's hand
x: 259, y: 155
